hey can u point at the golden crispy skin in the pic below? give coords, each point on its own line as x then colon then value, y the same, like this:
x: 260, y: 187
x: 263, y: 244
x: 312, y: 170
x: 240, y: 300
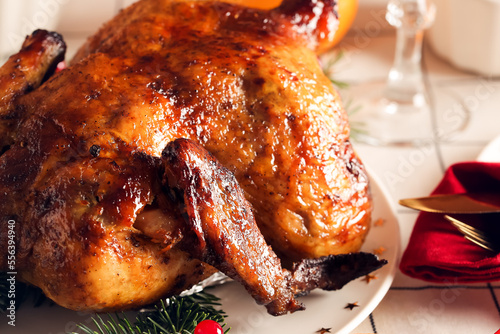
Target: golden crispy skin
x: 224, y: 232
x: 79, y: 169
x: 221, y: 231
x: 246, y: 85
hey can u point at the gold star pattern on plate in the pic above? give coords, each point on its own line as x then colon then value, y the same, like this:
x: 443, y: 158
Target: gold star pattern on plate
x: 351, y: 306
x: 379, y: 251
x: 369, y: 277
x: 379, y: 222
x: 323, y: 330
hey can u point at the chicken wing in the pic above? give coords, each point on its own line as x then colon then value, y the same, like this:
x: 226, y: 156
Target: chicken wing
x: 227, y: 237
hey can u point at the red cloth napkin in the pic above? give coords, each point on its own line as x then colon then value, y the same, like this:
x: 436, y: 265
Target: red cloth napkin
x: 437, y: 252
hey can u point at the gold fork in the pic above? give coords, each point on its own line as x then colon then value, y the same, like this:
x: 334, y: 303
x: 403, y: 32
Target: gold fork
x: 475, y: 235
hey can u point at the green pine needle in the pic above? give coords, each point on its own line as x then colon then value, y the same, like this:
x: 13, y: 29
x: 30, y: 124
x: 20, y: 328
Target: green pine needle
x: 174, y: 315
x: 329, y: 69
x: 357, y: 128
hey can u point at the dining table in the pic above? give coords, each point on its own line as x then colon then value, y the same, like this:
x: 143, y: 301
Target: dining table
x: 405, y: 171
x: 408, y: 305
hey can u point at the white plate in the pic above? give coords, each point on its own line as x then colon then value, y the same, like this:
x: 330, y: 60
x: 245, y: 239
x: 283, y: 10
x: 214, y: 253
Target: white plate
x: 323, y: 309
x: 491, y: 153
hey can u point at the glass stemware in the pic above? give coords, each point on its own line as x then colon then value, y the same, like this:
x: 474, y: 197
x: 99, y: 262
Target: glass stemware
x: 398, y: 111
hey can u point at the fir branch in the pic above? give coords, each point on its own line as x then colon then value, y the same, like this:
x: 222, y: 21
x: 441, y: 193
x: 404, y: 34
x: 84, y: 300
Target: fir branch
x: 175, y: 315
x: 4, y: 291
x: 114, y: 325
x: 329, y: 69
x: 357, y: 127
x: 23, y: 293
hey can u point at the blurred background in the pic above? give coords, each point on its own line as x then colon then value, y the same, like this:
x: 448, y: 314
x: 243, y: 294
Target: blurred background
x: 76, y: 20
x: 465, y: 33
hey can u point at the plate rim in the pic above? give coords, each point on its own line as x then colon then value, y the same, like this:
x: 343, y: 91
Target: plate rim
x: 236, y: 313
x: 380, y: 196
x: 389, y: 278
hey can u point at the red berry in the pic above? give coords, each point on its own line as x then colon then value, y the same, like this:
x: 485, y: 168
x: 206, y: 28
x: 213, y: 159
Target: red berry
x: 61, y: 66
x: 208, y: 327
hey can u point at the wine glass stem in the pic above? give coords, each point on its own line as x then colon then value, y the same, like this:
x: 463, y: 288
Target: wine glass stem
x: 405, y: 83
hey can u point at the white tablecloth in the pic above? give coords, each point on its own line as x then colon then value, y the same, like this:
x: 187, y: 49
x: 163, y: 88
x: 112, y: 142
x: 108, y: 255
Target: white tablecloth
x: 414, y: 306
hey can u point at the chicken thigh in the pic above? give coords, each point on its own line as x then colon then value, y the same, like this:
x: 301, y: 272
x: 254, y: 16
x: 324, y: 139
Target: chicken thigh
x: 103, y: 221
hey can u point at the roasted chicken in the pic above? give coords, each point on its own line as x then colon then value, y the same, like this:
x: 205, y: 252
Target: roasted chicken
x: 183, y: 138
